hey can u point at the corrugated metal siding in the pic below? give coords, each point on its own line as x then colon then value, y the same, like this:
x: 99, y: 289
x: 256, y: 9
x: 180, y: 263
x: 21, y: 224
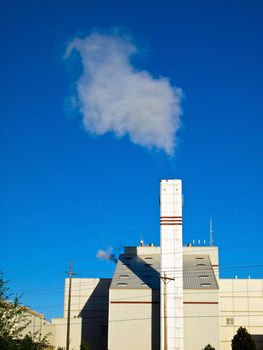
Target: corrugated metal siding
x: 133, y: 320
x: 198, y: 272
x: 134, y: 271
x: 201, y: 319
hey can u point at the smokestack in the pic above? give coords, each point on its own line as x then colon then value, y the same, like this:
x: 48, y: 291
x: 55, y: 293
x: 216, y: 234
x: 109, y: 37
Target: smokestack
x: 172, y: 329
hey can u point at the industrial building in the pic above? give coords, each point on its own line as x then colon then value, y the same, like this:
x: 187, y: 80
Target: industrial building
x: 167, y: 297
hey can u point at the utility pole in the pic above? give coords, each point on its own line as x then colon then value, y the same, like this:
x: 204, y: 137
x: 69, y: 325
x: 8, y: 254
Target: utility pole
x: 70, y: 273
x: 165, y: 280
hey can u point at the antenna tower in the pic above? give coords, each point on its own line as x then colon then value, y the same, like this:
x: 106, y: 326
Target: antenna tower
x: 211, y: 232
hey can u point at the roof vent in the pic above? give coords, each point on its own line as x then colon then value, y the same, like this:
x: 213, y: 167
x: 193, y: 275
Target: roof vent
x: 205, y: 284
x: 121, y: 284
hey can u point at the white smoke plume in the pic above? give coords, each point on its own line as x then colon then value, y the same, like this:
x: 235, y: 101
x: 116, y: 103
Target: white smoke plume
x: 114, y: 97
x: 106, y: 255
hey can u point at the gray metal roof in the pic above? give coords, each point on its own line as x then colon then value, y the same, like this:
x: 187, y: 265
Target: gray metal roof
x: 198, y: 272
x: 143, y: 271
x: 134, y: 271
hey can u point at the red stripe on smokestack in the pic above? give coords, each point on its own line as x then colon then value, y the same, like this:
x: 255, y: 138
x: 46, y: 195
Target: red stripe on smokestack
x: 177, y: 224
x: 171, y: 221
x: 170, y: 218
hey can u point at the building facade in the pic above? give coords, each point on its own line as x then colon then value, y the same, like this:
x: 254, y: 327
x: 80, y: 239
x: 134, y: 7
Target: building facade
x: 124, y: 312
x: 169, y: 297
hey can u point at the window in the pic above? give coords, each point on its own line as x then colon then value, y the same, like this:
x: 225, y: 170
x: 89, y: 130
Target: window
x: 200, y: 264
x: 124, y: 276
x: 230, y: 321
x: 199, y: 258
x: 203, y: 276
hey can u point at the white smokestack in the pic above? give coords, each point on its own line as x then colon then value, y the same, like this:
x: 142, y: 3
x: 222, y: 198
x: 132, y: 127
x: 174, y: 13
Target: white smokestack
x: 172, y: 330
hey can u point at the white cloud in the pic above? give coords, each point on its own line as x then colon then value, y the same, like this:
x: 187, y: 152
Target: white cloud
x: 115, y: 97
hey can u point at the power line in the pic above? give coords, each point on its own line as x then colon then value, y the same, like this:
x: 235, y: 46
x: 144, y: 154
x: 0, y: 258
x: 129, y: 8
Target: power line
x: 221, y: 294
x: 98, y: 318
x: 178, y: 274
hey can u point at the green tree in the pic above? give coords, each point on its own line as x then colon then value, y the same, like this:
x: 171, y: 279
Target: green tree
x: 243, y: 340
x: 13, y: 321
x: 12, y: 315
x: 209, y: 347
x: 84, y: 346
x: 33, y: 342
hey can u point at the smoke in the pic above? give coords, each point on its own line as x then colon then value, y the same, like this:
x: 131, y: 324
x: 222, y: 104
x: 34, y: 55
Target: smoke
x: 106, y: 255
x: 113, y: 96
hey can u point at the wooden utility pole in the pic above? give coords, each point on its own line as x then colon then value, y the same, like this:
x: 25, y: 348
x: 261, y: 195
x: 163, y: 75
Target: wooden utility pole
x: 70, y: 273
x: 165, y: 280
x: 165, y: 311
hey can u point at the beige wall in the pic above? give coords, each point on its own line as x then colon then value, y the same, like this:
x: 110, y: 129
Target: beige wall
x: 133, y: 319
x: 201, y: 315
x: 241, y: 303
x: 60, y: 325
x: 81, y: 291
x: 132, y: 322
x: 131, y: 313
x: 89, y: 301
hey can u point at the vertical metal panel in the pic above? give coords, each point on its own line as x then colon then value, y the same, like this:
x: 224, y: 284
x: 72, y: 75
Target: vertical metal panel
x: 201, y: 318
x: 241, y: 300
x: 130, y: 319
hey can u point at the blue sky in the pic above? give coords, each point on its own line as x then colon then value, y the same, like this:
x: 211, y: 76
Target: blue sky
x: 65, y: 193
